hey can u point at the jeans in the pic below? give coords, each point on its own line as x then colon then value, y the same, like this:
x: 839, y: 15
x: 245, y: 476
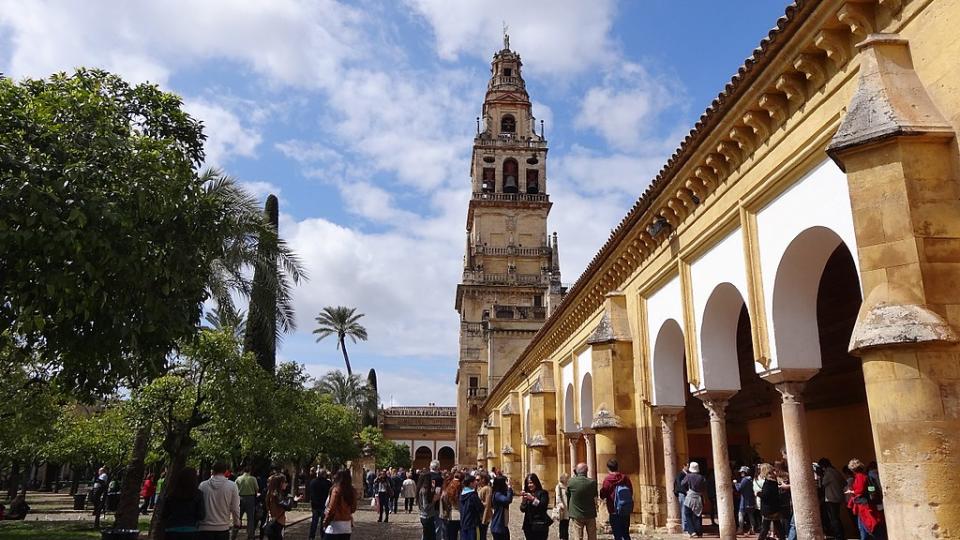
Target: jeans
x: 439, y: 528
x: 408, y: 504
x: 468, y: 534
x: 765, y: 528
x: 144, y: 505
x: 585, y: 528
x: 501, y: 536
x: 683, y: 512
x: 620, y: 526
x: 749, y: 520
x: 564, y: 529
x: 792, y: 529
x: 429, y: 529
x: 248, y: 506
x: 384, y: 500
x: 314, y: 521
x: 692, y: 523
x: 394, y: 501
x: 453, y: 529
x: 483, y: 530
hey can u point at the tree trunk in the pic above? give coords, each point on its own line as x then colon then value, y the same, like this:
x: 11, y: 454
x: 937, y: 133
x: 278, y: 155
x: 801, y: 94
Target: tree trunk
x: 13, y: 481
x: 346, y: 359
x: 179, y: 453
x: 74, y: 480
x: 128, y: 508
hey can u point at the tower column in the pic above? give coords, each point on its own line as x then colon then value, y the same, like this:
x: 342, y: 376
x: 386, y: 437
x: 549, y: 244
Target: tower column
x: 716, y: 404
x: 668, y: 419
x: 588, y: 439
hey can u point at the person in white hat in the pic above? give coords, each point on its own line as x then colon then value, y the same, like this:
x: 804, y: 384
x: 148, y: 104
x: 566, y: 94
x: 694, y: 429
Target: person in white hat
x: 695, y: 485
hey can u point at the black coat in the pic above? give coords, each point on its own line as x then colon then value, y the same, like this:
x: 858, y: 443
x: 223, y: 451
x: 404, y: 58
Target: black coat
x: 179, y: 512
x: 770, y: 498
x: 535, y: 513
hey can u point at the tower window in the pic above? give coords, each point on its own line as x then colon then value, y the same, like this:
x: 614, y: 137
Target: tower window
x: 533, y: 181
x: 508, y: 124
x: 538, y: 300
x: 510, y: 176
x: 488, y: 184
x: 507, y: 72
x: 474, y: 382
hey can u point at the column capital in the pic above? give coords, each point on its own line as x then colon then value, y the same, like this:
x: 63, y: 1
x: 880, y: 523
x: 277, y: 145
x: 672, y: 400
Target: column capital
x: 715, y: 402
x: 572, y: 435
x: 791, y: 391
x: 667, y: 411
x: 779, y: 375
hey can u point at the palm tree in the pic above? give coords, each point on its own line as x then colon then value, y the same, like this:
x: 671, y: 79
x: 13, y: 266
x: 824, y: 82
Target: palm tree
x: 341, y: 321
x: 347, y: 390
x: 226, y: 318
x: 250, y: 242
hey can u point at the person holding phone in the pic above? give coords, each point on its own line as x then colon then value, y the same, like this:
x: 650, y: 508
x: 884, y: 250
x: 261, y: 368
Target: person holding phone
x: 534, y: 503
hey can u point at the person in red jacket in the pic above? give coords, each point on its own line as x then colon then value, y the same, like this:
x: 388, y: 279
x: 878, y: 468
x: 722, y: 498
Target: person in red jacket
x: 865, y: 503
x: 619, y: 523
x: 147, y: 490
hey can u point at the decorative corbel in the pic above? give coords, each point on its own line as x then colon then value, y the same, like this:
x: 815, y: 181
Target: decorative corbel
x: 718, y: 162
x: 678, y: 207
x: 792, y: 86
x: 708, y: 176
x: 604, y: 418
x: 777, y: 107
x: 743, y: 135
x: 759, y: 122
x: 731, y: 152
x: 672, y: 218
x: 686, y: 197
x: 836, y: 44
x: 697, y: 187
x: 859, y: 17
x: 811, y: 65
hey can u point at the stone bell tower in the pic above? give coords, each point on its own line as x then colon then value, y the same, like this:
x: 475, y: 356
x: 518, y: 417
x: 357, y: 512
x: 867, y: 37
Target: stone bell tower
x: 511, y: 270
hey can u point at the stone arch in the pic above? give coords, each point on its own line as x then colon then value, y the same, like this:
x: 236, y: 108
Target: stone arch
x: 796, y: 335
x: 586, y: 401
x: 719, y: 365
x: 569, y: 422
x: 447, y: 458
x: 668, y: 359
x: 422, y: 457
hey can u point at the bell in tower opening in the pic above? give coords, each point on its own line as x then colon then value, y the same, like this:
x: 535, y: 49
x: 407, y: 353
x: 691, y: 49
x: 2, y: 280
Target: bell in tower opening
x: 510, y: 176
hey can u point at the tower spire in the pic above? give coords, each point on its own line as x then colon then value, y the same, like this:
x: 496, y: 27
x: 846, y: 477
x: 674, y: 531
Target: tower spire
x: 555, y: 255
x: 506, y: 36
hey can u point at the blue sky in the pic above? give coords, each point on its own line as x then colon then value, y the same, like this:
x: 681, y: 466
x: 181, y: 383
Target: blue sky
x: 360, y: 116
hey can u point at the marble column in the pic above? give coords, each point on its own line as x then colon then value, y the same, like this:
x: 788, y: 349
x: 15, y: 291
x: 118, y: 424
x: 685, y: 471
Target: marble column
x: 572, y: 439
x: 716, y: 404
x: 668, y: 420
x: 591, y: 457
x: 803, y: 486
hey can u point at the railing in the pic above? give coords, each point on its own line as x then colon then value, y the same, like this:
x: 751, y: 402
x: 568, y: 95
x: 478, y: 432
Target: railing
x: 520, y: 312
x: 471, y: 327
x: 501, y: 79
x: 480, y: 140
x: 542, y: 251
x: 476, y: 392
x: 514, y: 197
x: 473, y: 276
x: 394, y: 412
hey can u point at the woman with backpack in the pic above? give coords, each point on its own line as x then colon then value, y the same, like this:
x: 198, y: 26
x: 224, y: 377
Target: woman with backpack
x: 536, y: 522
x: 864, y: 503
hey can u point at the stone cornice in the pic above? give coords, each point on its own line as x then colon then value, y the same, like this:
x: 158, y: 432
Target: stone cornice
x: 808, y: 45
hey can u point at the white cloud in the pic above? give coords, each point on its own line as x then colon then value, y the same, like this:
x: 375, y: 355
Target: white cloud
x: 226, y: 135
x: 297, y: 42
x: 552, y: 36
x: 260, y: 189
x: 624, y: 110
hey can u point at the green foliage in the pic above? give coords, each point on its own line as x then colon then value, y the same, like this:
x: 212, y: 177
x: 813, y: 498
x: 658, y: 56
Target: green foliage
x: 30, y: 405
x: 342, y: 322
x: 387, y: 453
x: 92, y: 436
x: 348, y: 390
x: 106, y: 229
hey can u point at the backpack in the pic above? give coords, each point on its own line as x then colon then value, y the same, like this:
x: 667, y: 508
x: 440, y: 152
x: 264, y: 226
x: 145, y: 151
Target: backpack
x: 874, y: 492
x: 622, y: 500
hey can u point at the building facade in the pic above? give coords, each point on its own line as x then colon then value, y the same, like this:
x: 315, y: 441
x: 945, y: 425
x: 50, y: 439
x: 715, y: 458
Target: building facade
x: 428, y: 431
x: 788, y: 285
x: 511, y: 273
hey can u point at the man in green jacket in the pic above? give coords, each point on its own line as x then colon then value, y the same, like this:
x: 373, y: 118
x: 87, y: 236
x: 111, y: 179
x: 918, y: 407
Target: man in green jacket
x: 583, y: 503
x: 248, y: 488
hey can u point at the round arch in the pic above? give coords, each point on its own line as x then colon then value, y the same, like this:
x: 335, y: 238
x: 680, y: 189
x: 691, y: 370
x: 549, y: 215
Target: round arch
x: 422, y: 457
x: 719, y: 363
x: 796, y: 336
x: 586, y: 401
x: 569, y: 422
x: 447, y: 458
x: 668, y: 359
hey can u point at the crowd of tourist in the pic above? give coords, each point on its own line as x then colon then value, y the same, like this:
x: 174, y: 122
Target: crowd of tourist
x: 763, y: 506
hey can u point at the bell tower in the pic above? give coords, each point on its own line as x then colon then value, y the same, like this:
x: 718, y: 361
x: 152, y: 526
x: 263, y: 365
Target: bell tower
x: 511, y: 271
